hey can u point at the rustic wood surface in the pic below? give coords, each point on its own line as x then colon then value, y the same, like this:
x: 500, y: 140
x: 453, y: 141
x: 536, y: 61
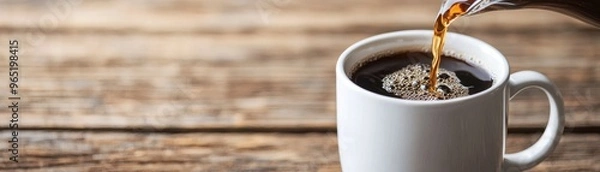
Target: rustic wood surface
x: 104, y: 82
x: 118, y: 151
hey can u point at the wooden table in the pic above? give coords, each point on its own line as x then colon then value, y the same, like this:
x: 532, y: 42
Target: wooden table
x: 185, y: 85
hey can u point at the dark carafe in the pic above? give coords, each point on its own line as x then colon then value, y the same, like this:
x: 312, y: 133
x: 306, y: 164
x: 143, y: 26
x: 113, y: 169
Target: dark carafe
x: 584, y: 10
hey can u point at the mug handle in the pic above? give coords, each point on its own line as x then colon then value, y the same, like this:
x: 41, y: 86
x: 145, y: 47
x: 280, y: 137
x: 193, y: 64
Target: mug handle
x: 536, y: 153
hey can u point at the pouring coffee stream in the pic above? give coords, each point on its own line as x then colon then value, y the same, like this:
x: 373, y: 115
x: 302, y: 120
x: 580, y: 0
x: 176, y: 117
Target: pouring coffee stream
x: 585, y: 10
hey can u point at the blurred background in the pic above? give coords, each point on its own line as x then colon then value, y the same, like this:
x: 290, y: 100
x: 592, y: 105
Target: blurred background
x: 184, y: 85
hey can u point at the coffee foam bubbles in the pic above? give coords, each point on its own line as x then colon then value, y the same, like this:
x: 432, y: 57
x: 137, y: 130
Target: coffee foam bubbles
x: 412, y: 83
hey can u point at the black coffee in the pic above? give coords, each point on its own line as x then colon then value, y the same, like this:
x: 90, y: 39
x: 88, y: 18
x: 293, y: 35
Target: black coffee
x: 369, y: 74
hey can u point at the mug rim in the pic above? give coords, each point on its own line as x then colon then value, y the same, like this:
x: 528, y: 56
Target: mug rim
x: 499, y: 80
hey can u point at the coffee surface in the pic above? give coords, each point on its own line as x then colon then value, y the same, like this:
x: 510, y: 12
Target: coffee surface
x: 386, y: 74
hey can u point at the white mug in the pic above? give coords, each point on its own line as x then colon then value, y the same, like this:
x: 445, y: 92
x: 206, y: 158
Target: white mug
x: 378, y: 133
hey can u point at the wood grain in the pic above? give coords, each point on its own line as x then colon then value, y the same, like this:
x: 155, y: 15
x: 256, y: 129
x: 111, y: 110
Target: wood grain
x: 195, y: 65
x: 253, y: 16
x: 254, y: 80
x: 94, y: 151
x: 258, y: 74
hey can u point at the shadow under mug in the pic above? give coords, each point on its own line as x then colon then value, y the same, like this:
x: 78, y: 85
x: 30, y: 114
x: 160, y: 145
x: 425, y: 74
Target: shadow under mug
x: 381, y: 133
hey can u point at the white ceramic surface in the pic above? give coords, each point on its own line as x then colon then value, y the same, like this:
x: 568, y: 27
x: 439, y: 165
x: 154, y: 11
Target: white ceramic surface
x: 384, y: 134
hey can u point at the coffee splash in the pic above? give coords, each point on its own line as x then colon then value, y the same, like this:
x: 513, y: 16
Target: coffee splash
x: 411, y: 83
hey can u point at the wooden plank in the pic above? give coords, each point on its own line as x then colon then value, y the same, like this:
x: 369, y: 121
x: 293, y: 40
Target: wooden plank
x: 220, y: 64
x: 108, y: 151
x: 253, y: 16
x: 198, y: 81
